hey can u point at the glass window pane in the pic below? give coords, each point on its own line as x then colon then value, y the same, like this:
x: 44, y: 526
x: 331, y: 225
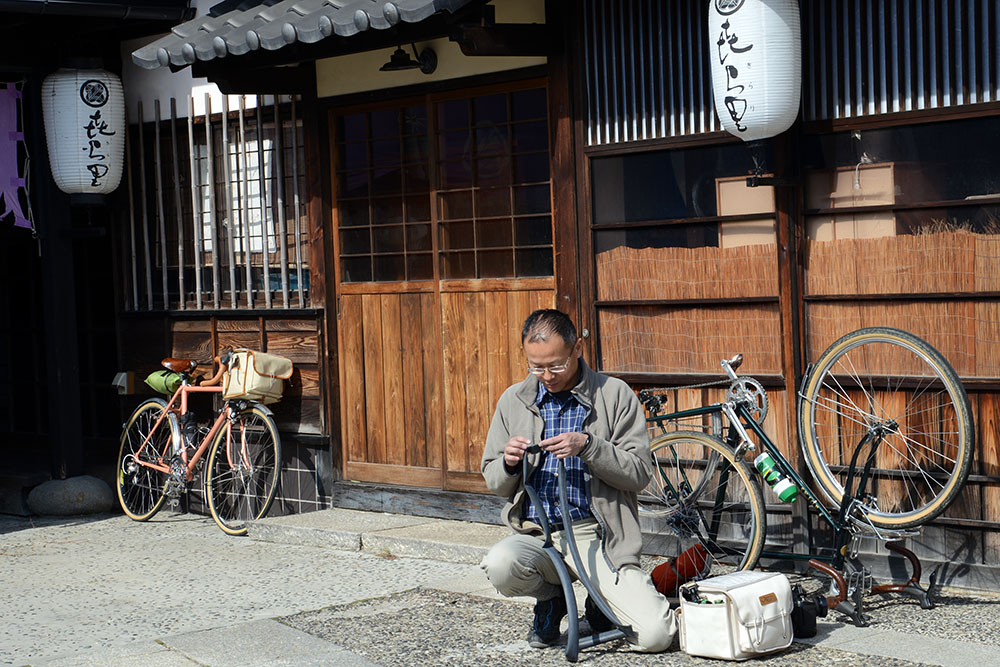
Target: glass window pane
x: 388, y: 239
x: 387, y: 210
x: 454, y: 145
x: 536, y: 230
x: 453, y: 114
x: 387, y: 181
x: 415, y: 149
x: 420, y: 267
x: 492, y: 202
x: 456, y: 175
x: 418, y: 208
x: 415, y: 178
x: 385, y: 123
x: 917, y: 163
x: 385, y: 152
x: 490, y: 109
x: 352, y: 184
x: 458, y: 265
x: 491, y: 140
x: 390, y: 267
x: 415, y: 120
x: 355, y: 240
x: 666, y: 236
x: 493, y: 171
x: 352, y: 127
x: 531, y: 168
x: 496, y: 263
x: 531, y: 137
x: 663, y: 185
x: 526, y: 104
x: 352, y: 156
x: 457, y: 235
x: 532, y: 199
x: 453, y: 205
x: 533, y: 262
x: 418, y: 237
x: 352, y: 212
x: 357, y: 269
x: 494, y: 233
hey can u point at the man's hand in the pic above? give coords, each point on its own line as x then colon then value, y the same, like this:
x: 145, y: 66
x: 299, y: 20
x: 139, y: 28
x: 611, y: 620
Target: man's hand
x: 514, y: 451
x: 565, y: 444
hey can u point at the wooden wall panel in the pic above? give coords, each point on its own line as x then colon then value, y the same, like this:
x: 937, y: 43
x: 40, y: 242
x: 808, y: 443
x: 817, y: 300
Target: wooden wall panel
x: 371, y: 313
x: 988, y: 451
x: 412, y: 419
x: 299, y: 346
x: 192, y: 345
x: 352, y: 387
x: 482, y: 356
x: 392, y: 379
x: 430, y: 323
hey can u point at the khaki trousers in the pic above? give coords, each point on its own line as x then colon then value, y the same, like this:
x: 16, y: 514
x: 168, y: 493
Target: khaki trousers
x: 518, y: 566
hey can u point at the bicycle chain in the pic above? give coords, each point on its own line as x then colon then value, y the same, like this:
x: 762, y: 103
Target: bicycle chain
x: 690, y: 386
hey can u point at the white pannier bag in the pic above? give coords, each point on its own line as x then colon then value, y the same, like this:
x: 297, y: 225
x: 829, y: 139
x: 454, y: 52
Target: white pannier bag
x: 256, y: 376
x: 736, y: 616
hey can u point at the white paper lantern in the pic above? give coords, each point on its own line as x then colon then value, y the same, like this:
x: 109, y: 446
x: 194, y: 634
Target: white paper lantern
x: 756, y: 57
x: 84, y: 111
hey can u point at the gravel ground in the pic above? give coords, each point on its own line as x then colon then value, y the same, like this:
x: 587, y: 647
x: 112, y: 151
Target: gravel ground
x: 431, y: 627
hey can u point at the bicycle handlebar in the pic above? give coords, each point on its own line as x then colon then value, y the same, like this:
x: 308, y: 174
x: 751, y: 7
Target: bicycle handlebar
x: 223, y: 362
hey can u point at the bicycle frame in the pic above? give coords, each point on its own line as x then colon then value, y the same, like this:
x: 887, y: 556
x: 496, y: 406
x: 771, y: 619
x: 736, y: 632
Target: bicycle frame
x: 189, y: 464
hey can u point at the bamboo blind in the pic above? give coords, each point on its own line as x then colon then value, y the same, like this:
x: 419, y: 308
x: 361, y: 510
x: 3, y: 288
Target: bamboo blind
x: 638, y: 339
x: 686, y: 273
x: 954, y: 261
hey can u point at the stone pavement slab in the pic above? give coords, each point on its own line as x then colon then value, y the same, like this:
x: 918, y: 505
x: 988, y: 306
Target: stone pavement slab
x: 903, y: 645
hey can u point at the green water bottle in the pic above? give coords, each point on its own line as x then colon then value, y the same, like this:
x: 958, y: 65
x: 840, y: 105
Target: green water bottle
x: 783, y: 487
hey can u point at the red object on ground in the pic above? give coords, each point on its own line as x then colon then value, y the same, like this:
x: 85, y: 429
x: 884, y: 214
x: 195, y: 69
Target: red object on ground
x: 667, y: 576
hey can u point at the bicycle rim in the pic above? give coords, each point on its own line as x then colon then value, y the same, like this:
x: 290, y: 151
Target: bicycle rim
x: 895, y: 386
x: 141, y: 489
x: 707, y: 501
x: 243, y: 467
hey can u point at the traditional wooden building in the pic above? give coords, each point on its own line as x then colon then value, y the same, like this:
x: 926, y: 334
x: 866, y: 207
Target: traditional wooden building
x: 419, y: 175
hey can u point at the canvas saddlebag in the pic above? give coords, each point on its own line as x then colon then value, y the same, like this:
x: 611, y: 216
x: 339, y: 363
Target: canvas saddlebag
x: 736, y: 616
x: 256, y: 376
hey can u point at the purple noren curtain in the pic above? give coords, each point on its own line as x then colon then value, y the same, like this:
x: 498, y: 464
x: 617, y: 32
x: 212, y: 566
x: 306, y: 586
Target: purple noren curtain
x: 12, y: 183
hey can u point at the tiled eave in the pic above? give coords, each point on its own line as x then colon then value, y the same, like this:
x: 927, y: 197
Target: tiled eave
x: 286, y: 22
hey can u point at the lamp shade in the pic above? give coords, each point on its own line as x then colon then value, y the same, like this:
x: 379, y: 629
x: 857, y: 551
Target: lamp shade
x: 756, y: 56
x: 84, y: 112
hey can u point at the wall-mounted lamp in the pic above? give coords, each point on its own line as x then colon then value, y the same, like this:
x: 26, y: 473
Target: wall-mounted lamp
x: 426, y: 61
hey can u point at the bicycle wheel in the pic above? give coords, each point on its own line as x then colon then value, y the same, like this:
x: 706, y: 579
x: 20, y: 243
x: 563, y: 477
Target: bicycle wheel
x: 701, y: 495
x: 894, y: 385
x: 141, y: 489
x: 243, y: 467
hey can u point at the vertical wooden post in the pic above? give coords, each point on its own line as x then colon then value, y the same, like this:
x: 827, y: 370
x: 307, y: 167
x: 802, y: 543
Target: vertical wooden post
x: 563, y: 160
x: 279, y: 200
x: 195, y: 207
x: 212, y: 218
x: 227, y: 191
x: 131, y: 214
x: 262, y: 182
x: 178, y: 215
x: 161, y: 217
x: 296, y: 206
x: 245, y: 203
x: 145, y: 217
x: 788, y: 208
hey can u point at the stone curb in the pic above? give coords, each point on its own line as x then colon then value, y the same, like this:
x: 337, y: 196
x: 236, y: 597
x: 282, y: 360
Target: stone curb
x: 378, y: 533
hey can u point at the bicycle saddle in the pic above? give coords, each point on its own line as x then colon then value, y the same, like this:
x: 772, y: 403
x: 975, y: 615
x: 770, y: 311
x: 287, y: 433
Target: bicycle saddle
x: 179, y: 365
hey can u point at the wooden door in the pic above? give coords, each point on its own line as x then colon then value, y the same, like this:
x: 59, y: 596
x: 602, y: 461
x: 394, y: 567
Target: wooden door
x: 443, y: 241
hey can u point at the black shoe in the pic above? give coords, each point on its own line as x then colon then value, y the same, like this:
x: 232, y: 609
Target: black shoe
x: 545, y: 629
x: 596, y: 618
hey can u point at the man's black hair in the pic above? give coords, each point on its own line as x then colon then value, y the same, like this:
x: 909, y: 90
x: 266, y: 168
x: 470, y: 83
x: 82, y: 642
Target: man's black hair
x: 542, y: 324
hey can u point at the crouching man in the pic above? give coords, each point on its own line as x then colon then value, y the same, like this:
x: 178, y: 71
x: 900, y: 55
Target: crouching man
x: 596, y: 426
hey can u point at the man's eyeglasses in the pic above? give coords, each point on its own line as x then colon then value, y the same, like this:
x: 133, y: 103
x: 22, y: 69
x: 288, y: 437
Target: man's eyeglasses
x: 555, y: 369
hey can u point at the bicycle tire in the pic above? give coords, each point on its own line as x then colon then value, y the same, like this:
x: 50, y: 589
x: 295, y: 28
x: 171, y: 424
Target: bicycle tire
x: 707, y: 497
x: 241, y: 485
x: 141, y: 490
x: 888, y: 379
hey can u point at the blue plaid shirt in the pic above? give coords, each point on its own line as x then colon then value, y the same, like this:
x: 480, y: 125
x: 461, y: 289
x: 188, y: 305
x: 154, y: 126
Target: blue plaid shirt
x: 562, y: 414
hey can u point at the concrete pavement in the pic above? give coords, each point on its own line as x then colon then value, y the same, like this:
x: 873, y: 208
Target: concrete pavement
x: 341, y: 587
